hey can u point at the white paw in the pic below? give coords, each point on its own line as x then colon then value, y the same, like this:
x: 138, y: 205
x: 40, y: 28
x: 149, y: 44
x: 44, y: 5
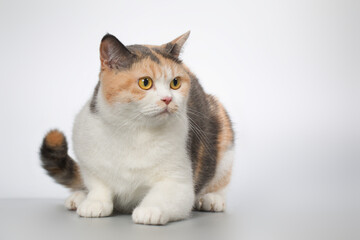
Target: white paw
x: 95, y: 208
x: 149, y: 215
x: 210, y: 202
x: 74, y: 200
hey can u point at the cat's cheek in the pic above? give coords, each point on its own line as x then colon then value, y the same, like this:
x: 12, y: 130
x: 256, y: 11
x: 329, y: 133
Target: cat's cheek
x: 185, y: 88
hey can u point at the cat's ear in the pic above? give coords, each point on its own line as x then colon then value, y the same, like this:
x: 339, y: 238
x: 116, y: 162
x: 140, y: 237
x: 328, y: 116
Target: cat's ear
x: 113, y: 53
x: 174, y: 47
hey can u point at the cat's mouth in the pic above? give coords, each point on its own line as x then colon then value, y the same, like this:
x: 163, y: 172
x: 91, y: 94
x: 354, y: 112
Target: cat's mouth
x: 163, y: 112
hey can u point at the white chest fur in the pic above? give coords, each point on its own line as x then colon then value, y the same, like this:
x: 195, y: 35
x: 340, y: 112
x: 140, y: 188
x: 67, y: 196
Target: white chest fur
x: 130, y: 161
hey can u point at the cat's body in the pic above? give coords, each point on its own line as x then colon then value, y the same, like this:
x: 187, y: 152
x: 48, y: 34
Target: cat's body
x: 154, y: 150
x: 133, y: 159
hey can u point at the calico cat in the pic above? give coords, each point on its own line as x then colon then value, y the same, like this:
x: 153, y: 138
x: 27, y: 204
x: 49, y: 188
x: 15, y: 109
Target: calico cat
x: 149, y: 141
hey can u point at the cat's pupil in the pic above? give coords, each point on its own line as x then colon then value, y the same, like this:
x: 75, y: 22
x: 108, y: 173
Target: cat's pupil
x: 175, y: 82
x: 146, y: 82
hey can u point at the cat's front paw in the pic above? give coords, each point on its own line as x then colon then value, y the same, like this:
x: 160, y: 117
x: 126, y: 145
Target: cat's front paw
x: 149, y: 215
x: 211, y: 202
x: 75, y: 199
x: 95, y: 208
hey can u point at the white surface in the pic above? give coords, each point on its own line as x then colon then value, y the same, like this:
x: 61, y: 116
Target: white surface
x: 287, y: 71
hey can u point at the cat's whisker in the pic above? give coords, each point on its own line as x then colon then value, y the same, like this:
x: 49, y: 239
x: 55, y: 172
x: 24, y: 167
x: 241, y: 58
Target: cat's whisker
x: 152, y: 111
x: 197, y: 113
x: 198, y: 131
x: 130, y: 121
x: 205, y: 132
x: 202, y: 130
x: 201, y: 137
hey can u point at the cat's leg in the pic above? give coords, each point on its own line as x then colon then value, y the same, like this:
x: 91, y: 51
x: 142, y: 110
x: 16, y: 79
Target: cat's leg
x: 75, y: 199
x: 99, y: 200
x: 166, y: 201
x: 212, y: 197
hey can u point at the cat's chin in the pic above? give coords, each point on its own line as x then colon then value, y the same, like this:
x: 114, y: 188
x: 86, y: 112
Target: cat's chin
x: 162, y: 116
x: 164, y: 112
x: 157, y: 120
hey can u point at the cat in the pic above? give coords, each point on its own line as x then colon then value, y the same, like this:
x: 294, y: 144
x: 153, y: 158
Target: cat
x: 149, y: 142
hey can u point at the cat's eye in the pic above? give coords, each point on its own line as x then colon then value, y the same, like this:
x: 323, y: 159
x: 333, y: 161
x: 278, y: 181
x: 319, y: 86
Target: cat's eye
x: 145, y: 83
x: 175, y: 83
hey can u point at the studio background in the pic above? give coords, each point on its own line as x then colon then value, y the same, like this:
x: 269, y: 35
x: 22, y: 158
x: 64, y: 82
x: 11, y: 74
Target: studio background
x: 287, y: 71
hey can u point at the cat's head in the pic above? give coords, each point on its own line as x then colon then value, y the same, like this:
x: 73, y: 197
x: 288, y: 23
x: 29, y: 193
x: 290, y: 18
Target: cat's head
x: 143, y: 81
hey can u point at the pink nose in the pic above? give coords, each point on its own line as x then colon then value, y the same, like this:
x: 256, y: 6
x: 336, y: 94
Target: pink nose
x: 166, y: 100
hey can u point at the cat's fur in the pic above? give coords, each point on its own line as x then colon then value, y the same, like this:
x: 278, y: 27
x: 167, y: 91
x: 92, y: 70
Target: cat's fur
x: 134, y: 156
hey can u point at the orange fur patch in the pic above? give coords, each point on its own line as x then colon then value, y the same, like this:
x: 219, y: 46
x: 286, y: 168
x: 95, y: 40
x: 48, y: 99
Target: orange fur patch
x: 185, y: 85
x: 199, y: 162
x: 122, y: 86
x: 226, y: 134
x: 54, y: 138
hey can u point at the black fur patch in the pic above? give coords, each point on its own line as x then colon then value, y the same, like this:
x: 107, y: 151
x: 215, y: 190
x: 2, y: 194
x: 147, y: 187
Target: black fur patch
x: 204, y: 130
x: 93, y: 107
x: 142, y: 52
x: 166, y: 55
x: 59, y: 164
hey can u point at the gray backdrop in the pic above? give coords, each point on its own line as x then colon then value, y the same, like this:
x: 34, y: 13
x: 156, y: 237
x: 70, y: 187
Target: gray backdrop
x: 288, y: 73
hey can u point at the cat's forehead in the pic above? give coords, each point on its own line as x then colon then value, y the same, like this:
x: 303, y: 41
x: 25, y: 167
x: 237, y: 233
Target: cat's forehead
x: 141, y: 52
x: 153, y: 61
x: 163, y: 70
x: 156, y: 54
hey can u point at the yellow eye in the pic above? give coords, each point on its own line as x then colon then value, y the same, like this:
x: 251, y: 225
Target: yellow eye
x: 145, y: 83
x: 175, y: 83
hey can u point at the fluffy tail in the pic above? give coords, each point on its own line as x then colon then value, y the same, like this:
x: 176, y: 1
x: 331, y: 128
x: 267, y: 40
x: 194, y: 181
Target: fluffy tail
x: 57, y: 162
